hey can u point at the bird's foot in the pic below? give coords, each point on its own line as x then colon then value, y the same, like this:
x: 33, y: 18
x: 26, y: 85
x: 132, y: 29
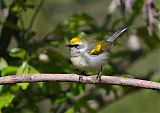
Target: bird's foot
x: 80, y: 78
x: 99, y: 75
x: 98, y: 78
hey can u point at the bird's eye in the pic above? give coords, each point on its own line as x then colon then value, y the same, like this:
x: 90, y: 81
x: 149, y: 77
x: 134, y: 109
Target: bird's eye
x: 76, y: 45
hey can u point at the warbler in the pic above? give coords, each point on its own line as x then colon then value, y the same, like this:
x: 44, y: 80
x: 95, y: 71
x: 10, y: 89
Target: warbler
x: 91, y: 56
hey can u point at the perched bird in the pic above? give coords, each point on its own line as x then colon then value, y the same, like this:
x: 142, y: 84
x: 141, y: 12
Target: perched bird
x: 91, y: 57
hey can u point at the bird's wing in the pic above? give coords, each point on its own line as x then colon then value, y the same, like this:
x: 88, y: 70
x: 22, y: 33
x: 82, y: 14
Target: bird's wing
x: 99, y: 47
x: 105, y: 45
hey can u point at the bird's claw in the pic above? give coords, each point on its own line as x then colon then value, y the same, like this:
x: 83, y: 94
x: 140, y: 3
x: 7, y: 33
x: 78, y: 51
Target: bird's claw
x: 98, y: 78
x: 80, y: 78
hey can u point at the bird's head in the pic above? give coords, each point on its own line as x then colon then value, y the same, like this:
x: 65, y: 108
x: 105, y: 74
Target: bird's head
x: 77, y: 46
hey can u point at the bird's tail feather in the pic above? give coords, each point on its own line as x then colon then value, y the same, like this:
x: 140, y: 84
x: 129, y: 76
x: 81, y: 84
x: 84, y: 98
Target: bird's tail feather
x: 115, y: 35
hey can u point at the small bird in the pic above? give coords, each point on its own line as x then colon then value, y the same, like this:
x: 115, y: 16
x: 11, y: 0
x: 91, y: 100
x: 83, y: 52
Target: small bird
x: 91, y: 57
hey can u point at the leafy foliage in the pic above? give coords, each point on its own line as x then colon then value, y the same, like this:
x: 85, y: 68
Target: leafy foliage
x: 46, y: 56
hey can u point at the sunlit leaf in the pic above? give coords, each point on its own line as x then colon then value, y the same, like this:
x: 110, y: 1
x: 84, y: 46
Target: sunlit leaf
x: 6, y: 99
x: 3, y: 63
x: 9, y: 70
x: 1, y: 87
x: 23, y: 69
x: 18, y: 53
x: 69, y: 110
x: 16, y: 9
x: 32, y: 70
x: 23, y: 85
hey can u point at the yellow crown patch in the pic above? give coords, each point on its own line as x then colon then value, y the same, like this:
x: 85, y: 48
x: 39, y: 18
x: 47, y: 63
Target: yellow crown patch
x: 74, y: 40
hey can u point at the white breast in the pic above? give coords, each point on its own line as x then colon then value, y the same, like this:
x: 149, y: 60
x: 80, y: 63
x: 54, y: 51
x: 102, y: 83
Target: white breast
x: 79, y: 62
x: 89, y: 62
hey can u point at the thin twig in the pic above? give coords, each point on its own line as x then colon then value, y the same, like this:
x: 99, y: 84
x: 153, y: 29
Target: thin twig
x: 110, y: 80
x: 21, y: 21
x: 149, y: 16
x: 35, y: 15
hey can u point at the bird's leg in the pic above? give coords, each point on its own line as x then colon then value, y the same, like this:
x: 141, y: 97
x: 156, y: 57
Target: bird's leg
x: 99, y: 75
x: 81, y: 76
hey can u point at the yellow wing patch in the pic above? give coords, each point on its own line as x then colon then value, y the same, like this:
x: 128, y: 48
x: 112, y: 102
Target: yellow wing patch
x: 74, y: 40
x: 99, y: 48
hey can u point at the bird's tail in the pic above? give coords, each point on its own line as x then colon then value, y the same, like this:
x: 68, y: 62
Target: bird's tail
x: 115, y: 35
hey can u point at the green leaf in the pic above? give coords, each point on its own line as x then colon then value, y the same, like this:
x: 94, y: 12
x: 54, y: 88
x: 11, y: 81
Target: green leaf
x: 14, y: 88
x: 23, y: 69
x: 9, y: 70
x: 23, y: 85
x: 18, y: 53
x: 32, y: 70
x: 70, y: 110
x: 1, y: 87
x: 80, y: 22
x: 16, y: 9
x: 3, y: 63
x: 6, y: 99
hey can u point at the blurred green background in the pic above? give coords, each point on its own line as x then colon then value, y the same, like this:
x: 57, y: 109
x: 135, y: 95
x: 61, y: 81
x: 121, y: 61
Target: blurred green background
x: 32, y: 38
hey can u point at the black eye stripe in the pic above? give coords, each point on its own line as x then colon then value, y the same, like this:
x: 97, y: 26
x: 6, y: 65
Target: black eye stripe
x: 75, y: 45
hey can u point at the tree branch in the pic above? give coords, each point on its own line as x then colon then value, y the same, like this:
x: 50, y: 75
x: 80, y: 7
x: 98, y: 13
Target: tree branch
x: 8, y: 32
x: 112, y: 80
x: 33, y: 18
